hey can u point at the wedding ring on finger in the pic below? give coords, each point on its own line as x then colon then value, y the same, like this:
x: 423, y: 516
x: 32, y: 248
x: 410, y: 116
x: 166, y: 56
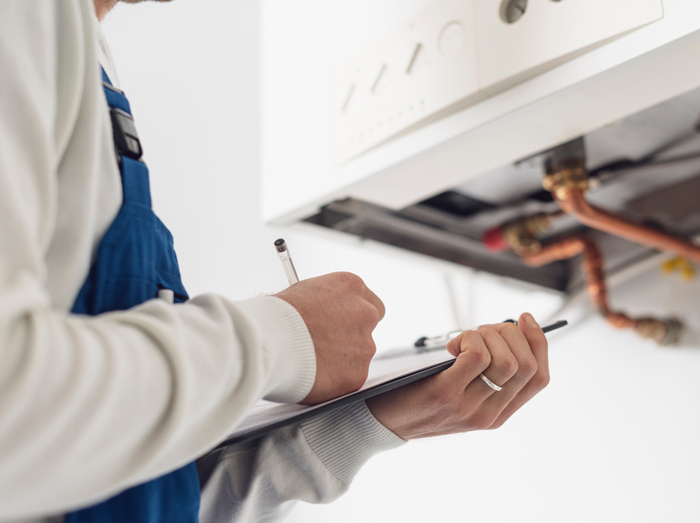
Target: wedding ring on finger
x: 490, y: 383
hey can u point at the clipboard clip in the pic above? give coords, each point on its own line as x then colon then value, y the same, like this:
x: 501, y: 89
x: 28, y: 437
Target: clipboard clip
x: 425, y: 343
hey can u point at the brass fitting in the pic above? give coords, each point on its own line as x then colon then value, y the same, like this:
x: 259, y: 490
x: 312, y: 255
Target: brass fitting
x: 664, y: 332
x: 565, y: 176
x: 521, y: 235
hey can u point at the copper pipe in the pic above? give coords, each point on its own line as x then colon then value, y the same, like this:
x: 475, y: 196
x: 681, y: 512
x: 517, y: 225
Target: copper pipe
x: 567, y: 180
x: 664, y: 332
x: 573, y: 201
x: 592, y: 266
x: 561, y: 250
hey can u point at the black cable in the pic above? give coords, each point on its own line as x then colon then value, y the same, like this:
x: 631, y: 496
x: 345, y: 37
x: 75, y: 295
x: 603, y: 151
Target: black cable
x: 613, y: 169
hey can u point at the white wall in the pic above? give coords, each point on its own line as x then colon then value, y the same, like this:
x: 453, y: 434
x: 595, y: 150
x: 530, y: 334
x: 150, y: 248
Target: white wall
x: 614, y: 438
x: 191, y: 72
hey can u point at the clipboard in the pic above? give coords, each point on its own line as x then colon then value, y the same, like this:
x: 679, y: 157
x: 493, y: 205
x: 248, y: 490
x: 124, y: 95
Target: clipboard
x: 387, y: 371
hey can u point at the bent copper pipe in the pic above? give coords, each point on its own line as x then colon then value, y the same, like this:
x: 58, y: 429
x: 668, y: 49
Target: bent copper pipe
x: 592, y: 266
x: 574, y: 202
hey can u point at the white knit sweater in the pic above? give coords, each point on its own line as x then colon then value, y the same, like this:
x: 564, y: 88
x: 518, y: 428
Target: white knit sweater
x: 90, y: 406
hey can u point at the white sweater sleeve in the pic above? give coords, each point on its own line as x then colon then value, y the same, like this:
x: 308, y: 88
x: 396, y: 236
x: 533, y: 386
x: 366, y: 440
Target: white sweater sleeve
x: 315, y: 462
x: 89, y: 406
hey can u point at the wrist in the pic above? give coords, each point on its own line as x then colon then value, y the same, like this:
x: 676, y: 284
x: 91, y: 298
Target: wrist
x: 385, y: 410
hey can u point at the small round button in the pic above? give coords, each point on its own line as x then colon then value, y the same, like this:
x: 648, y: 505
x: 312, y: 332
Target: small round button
x: 451, y: 38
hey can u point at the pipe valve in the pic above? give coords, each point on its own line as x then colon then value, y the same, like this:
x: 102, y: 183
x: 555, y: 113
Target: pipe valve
x: 664, y: 332
x: 567, y: 176
x: 519, y: 235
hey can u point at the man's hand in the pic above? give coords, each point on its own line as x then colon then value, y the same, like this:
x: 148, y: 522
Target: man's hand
x: 457, y: 399
x: 340, y: 313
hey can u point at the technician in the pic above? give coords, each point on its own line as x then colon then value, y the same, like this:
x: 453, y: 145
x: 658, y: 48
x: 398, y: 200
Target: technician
x: 111, y: 386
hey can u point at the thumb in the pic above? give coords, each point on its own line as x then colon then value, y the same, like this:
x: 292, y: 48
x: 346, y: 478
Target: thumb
x: 454, y: 346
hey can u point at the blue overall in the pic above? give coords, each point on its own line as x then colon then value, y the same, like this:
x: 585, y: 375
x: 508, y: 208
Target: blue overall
x: 135, y: 260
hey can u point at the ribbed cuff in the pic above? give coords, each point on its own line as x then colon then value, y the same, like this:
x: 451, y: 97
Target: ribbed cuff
x: 287, y: 340
x: 346, y: 438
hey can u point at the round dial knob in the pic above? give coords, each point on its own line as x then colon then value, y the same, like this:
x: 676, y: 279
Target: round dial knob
x: 513, y: 10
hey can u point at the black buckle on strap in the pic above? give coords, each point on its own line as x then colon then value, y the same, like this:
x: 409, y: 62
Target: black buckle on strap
x: 126, y: 139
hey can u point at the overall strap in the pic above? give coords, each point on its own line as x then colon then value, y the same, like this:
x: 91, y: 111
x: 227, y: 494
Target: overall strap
x: 135, y: 260
x: 135, y: 181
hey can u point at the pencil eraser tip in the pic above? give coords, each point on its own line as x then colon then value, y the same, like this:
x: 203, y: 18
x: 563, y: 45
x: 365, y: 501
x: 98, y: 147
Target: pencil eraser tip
x: 280, y: 245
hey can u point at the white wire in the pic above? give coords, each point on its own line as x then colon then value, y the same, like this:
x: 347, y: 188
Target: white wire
x: 461, y: 302
x: 454, y: 305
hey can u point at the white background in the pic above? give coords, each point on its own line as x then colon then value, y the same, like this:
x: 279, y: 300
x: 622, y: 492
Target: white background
x: 615, y: 436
